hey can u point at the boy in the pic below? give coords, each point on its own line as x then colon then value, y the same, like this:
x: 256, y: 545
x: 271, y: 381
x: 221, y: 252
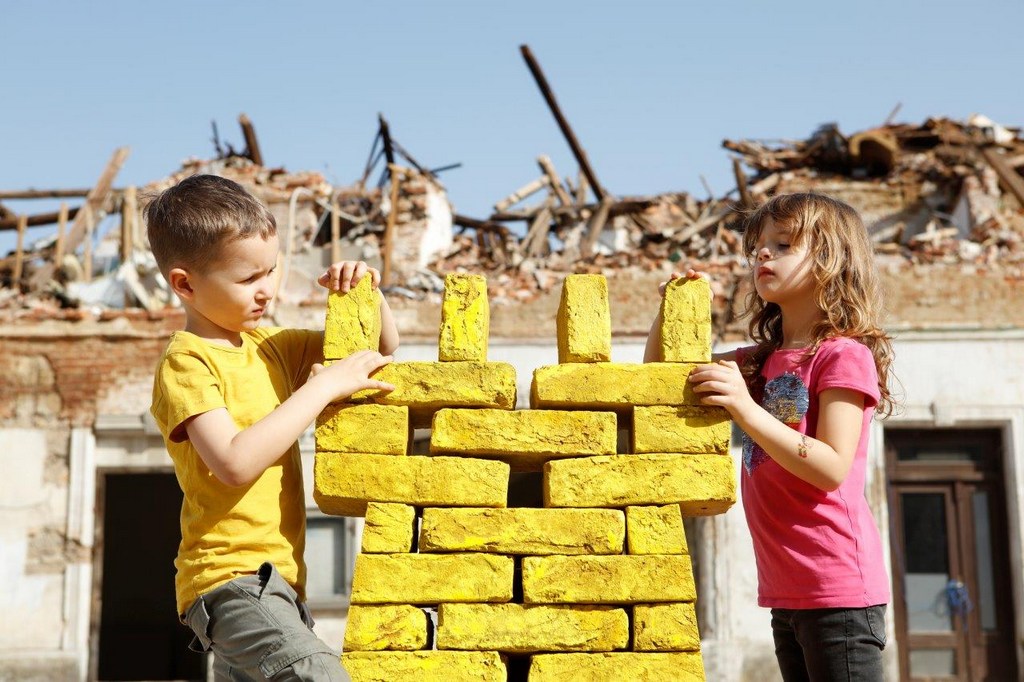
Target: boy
x: 231, y: 400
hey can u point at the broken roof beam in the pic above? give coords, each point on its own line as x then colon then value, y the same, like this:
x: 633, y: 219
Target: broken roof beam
x: 563, y: 124
x: 548, y: 169
x: 527, y: 190
x: 36, y: 220
x: 1008, y: 177
x: 47, y: 193
x: 252, y: 146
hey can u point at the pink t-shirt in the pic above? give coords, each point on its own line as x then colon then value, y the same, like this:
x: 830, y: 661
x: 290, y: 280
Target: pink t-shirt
x: 814, y: 549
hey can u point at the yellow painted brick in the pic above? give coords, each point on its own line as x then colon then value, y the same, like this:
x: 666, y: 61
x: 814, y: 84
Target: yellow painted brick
x: 686, y: 321
x: 388, y: 528
x: 584, y: 322
x: 353, y: 321
x: 623, y: 579
x: 382, y: 429
x: 525, y: 628
x: 655, y: 530
x: 432, y: 578
x: 665, y: 627
x: 523, y: 438
x: 465, y: 319
x: 425, y: 666
x: 523, y: 530
x: 343, y: 484
x: 688, y: 430
x: 612, y: 385
x: 618, y: 667
x: 380, y: 628
x: 429, y: 386
x: 701, y: 484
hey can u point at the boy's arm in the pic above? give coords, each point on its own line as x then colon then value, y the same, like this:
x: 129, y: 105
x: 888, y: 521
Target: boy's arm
x: 238, y: 457
x: 388, y: 329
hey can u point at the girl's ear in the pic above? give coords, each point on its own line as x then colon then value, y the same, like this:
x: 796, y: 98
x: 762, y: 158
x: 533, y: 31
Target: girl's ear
x: 178, y: 279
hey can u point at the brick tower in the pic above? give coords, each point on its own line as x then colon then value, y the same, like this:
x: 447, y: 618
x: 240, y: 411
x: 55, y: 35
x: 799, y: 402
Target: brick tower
x: 462, y: 577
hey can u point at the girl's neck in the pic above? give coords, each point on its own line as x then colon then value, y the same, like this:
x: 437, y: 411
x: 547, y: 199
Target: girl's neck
x: 798, y: 326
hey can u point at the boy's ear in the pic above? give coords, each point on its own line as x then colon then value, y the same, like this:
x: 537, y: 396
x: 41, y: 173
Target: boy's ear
x: 178, y: 278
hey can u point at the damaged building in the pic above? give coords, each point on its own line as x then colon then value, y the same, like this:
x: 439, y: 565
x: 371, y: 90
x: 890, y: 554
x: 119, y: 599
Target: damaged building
x: 89, y: 515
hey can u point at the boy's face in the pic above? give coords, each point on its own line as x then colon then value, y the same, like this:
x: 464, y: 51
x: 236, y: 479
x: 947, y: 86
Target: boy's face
x: 233, y: 292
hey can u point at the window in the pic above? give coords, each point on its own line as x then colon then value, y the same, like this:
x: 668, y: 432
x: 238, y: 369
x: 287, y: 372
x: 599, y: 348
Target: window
x: 331, y: 545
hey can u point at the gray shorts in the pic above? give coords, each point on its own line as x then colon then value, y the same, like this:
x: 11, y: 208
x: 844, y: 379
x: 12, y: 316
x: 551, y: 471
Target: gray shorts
x: 258, y: 630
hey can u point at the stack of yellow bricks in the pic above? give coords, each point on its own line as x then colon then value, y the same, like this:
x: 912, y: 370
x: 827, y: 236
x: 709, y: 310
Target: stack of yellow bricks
x: 597, y: 583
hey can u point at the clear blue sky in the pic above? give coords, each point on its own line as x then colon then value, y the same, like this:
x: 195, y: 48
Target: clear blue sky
x: 651, y: 88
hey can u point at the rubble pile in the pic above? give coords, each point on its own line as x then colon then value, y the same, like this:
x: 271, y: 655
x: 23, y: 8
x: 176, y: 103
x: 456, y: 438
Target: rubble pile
x: 942, y: 191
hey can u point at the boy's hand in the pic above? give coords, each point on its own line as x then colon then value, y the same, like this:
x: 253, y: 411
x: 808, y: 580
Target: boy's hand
x: 344, y: 275
x: 351, y: 375
x: 690, y: 274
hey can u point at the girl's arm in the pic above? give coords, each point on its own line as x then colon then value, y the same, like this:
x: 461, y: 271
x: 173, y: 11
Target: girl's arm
x: 823, y: 461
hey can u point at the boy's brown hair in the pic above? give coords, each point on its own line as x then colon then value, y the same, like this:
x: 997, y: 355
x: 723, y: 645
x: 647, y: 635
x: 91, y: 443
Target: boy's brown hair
x: 188, y: 223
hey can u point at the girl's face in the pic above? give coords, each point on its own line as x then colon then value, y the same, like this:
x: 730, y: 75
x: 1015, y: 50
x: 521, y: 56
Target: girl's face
x: 782, y: 267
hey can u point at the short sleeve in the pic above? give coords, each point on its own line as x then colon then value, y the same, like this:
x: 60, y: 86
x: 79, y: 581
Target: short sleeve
x: 845, y: 363
x: 297, y: 350
x: 186, y: 387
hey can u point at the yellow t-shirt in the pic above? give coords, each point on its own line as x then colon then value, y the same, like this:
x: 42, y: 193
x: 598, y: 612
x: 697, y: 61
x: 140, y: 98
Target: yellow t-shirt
x: 227, y: 532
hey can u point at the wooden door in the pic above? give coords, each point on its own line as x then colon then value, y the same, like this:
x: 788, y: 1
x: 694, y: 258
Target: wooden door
x: 952, y: 596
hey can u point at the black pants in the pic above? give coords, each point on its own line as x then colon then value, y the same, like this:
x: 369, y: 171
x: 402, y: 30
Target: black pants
x: 829, y: 645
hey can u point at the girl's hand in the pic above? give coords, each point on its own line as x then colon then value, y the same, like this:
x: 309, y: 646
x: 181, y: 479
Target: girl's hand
x: 721, y: 384
x: 344, y: 275
x: 689, y: 274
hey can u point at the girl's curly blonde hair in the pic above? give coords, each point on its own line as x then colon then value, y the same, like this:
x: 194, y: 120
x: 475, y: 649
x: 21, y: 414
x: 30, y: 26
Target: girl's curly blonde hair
x: 848, y: 291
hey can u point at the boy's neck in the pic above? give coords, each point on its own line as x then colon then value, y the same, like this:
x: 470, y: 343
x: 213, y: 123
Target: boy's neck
x: 197, y: 324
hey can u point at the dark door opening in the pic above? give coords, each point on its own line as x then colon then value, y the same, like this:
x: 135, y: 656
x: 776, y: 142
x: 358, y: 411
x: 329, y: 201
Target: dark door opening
x: 952, y: 594
x: 140, y: 637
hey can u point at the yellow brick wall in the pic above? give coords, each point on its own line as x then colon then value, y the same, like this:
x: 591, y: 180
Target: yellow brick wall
x: 596, y: 584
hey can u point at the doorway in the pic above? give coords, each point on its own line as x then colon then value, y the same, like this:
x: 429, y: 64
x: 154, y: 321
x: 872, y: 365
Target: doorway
x: 139, y: 636
x: 952, y: 597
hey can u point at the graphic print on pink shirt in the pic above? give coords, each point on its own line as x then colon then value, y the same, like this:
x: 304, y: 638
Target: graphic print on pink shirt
x: 785, y: 398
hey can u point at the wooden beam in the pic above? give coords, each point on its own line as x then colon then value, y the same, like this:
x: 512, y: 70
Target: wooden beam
x: 389, y: 227
x: 480, y: 225
x: 536, y: 241
x: 38, y: 219
x: 90, y: 225
x: 252, y: 145
x: 548, y: 169
x: 62, y: 226
x: 97, y: 197
x: 128, y: 217
x: 336, y: 230
x: 1008, y: 177
x: 563, y: 124
x: 596, y: 226
x: 19, y: 251
x: 526, y: 190
x: 47, y: 193
x: 746, y: 200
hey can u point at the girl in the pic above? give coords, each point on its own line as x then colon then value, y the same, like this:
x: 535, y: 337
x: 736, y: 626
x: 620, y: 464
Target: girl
x: 804, y: 397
